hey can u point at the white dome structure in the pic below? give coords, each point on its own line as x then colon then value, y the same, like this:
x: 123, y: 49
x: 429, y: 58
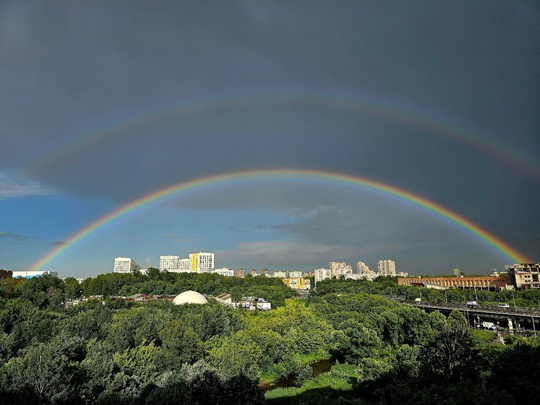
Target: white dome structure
x: 189, y: 297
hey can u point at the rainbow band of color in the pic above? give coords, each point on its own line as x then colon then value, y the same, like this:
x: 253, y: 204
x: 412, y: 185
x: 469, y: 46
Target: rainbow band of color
x: 365, y: 105
x: 257, y: 176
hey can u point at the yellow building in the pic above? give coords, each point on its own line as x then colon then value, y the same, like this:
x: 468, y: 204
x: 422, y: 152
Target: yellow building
x: 297, y: 283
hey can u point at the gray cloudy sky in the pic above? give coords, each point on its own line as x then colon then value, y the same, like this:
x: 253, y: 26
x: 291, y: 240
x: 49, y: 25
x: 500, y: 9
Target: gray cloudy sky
x: 104, y: 102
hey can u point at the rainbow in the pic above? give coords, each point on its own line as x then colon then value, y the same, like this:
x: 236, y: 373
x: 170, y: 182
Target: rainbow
x: 271, y: 175
x: 428, y: 123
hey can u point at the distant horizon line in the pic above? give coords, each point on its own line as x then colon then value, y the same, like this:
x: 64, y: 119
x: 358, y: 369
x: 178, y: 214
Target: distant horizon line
x: 258, y: 271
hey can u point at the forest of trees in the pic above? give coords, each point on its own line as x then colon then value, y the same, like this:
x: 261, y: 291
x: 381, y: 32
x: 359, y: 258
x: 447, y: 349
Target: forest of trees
x: 115, y: 352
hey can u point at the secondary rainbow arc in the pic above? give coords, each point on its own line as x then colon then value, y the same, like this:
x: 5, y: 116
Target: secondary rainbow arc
x: 332, y: 178
x: 366, y: 105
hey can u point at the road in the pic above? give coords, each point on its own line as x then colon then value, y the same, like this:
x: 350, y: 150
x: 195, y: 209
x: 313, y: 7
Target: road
x: 526, y: 318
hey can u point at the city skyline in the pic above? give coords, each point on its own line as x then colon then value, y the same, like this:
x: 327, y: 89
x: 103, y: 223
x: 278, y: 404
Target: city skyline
x: 353, y: 132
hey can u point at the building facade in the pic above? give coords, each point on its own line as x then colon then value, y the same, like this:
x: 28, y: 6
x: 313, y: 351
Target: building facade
x: 239, y: 273
x: 386, y: 268
x: 125, y: 265
x: 202, y: 262
x: 337, y: 268
x: 487, y: 282
x: 322, y: 274
x: 362, y: 268
x: 297, y: 283
x: 174, y: 264
x: 524, y: 275
x: 184, y: 265
x: 6, y: 273
x: 30, y: 274
x: 225, y: 271
x: 169, y: 263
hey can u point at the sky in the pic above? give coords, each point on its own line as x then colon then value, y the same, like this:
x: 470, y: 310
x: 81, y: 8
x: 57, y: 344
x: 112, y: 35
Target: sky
x: 105, y: 103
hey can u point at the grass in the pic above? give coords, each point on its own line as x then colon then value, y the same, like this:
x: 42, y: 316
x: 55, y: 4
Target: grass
x: 312, y: 357
x: 270, y: 377
x: 342, y: 377
x: 483, y: 337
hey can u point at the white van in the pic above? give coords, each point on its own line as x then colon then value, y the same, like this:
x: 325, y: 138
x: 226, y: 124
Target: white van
x: 504, y: 305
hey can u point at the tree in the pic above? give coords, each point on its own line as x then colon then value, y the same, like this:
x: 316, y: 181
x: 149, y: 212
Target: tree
x: 153, y: 273
x: 27, y: 324
x: 133, y: 326
x: 99, y: 369
x: 43, y: 291
x: 137, y: 369
x: 236, y: 293
x: 73, y: 289
x: 183, y: 344
x: 46, y: 372
x: 212, y: 319
x: 518, y: 369
x: 234, y: 357
x: 356, y: 342
x: 452, y: 357
x: 8, y: 286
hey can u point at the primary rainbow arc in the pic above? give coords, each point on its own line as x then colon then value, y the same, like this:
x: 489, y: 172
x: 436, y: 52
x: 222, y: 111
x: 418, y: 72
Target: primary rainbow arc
x: 316, y: 176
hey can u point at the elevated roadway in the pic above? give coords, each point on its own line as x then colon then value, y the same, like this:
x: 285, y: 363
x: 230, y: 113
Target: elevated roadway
x: 522, y: 318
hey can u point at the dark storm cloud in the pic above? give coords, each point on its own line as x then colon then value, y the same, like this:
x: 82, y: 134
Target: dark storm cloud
x: 90, y: 65
x: 334, y: 215
x: 369, y: 223
x: 285, y: 254
x: 73, y: 68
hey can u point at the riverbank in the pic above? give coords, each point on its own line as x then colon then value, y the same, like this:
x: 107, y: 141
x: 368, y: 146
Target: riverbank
x: 311, y: 368
x: 339, y: 378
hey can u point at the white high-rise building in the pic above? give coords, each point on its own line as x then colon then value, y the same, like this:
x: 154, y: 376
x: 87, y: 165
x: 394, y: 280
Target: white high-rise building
x: 339, y: 268
x: 169, y: 263
x: 225, y: 271
x: 125, y: 265
x: 322, y: 274
x: 174, y: 264
x: 202, y: 262
x: 184, y: 266
x: 362, y: 268
x: 386, y: 267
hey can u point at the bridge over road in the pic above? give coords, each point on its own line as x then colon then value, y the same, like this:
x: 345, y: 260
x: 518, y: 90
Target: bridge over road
x: 521, y: 318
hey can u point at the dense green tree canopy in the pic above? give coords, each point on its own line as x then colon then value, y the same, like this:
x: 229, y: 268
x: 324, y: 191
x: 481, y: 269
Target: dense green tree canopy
x: 115, y: 352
